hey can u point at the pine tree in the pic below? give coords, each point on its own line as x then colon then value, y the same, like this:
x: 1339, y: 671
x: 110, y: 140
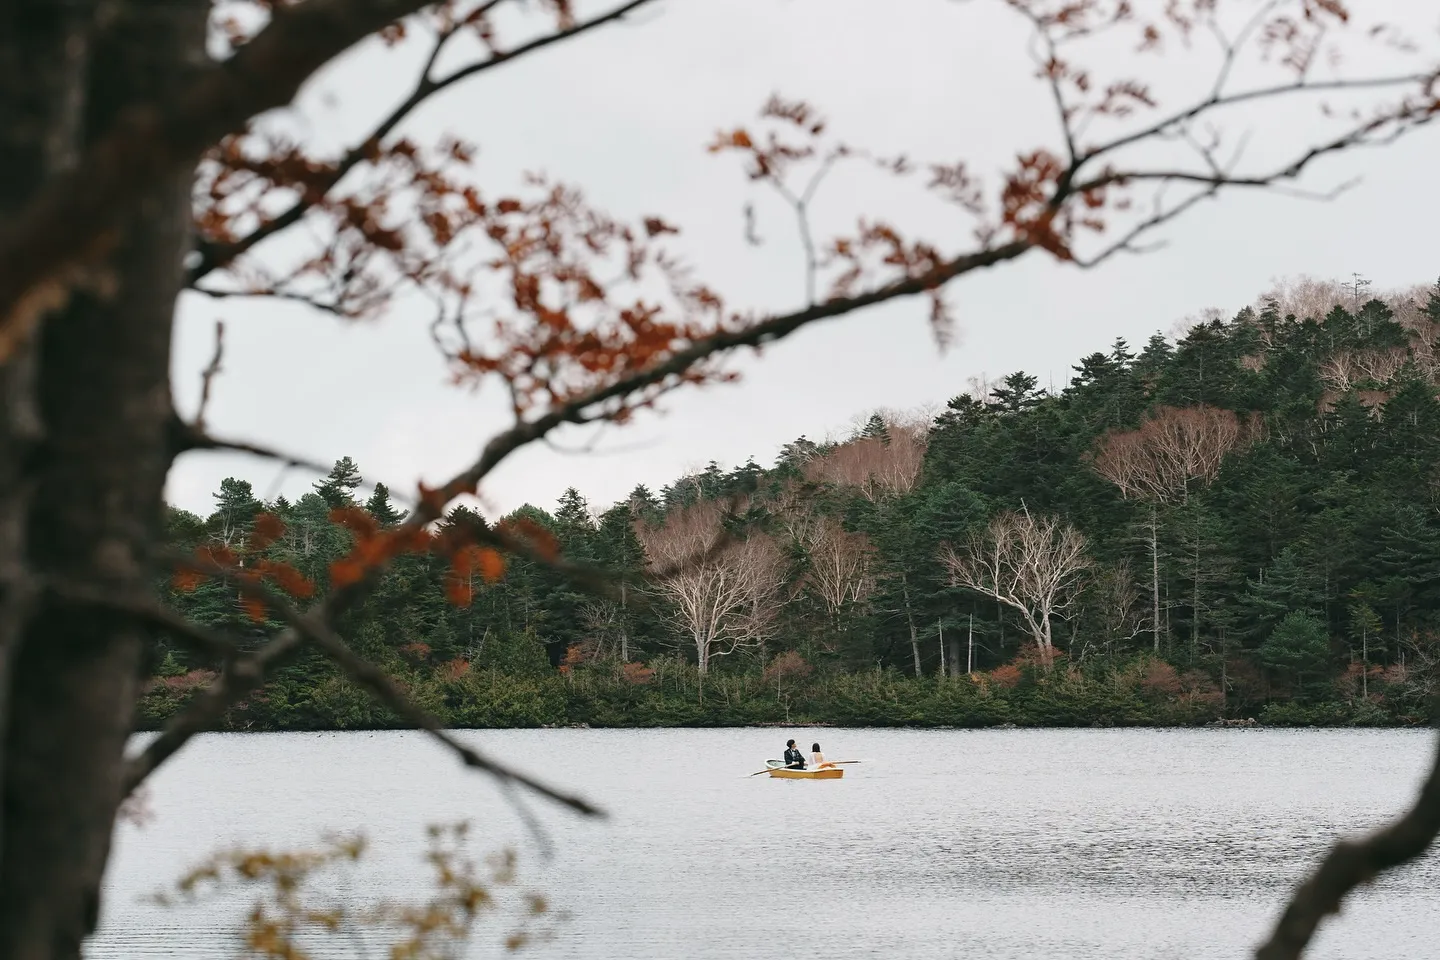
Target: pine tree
x: 875, y: 429
x: 1017, y: 393
x: 1299, y: 644
x: 337, y: 489
x: 235, y: 510
x: 380, y: 507
x: 1288, y: 587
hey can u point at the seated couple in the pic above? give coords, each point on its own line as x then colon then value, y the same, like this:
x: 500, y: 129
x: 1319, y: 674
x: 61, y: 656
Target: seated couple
x: 794, y: 759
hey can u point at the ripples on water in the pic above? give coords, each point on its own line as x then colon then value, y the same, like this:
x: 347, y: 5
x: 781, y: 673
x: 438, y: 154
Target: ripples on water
x: 991, y: 845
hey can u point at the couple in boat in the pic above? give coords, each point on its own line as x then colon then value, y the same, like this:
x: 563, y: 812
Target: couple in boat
x: 795, y: 760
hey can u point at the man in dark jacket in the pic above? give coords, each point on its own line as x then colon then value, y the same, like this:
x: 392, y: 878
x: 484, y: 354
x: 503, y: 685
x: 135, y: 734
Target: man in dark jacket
x: 793, y: 757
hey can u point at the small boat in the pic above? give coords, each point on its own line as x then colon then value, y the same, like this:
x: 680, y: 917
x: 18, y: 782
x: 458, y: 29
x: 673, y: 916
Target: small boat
x: 780, y: 772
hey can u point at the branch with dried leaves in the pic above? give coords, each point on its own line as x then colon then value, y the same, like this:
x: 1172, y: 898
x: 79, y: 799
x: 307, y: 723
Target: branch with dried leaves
x: 212, y: 255
x: 244, y: 674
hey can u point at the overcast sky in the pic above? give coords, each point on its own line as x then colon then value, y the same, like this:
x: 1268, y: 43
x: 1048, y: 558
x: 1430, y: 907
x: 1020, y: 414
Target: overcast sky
x: 625, y: 113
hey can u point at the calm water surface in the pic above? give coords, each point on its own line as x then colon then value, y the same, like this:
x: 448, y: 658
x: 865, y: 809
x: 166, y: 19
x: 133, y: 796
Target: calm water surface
x: 951, y: 844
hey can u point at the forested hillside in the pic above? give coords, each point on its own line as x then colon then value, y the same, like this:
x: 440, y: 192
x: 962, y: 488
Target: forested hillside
x: 1239, y: 523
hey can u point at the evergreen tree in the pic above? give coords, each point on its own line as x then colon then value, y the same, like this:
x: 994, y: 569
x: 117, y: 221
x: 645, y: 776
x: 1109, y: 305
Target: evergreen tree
x: 338, y: 488
x: 1298, y: 645
x: 875, y: 429
x: 380, y: 507
x: 235, y: 510
x: 1016, y: 394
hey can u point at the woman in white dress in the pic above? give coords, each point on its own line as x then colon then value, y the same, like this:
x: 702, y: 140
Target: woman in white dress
x: 818, y: 758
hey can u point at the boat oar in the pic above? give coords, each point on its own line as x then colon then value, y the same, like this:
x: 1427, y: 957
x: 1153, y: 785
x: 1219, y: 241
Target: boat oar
x: 791, y: 767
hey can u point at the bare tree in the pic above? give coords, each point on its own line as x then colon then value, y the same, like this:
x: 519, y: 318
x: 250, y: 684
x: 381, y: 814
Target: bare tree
x: 876, y: 467
x: 841, y: 568
x: 1172, y: 451
x: 721, y: 593
x: 791, y: 510
x: 880, y: 469
x: 1114, y: 600
x: 1035, y: 566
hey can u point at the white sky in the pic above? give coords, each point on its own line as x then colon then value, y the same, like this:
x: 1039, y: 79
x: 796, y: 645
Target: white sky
x: 625, y: 113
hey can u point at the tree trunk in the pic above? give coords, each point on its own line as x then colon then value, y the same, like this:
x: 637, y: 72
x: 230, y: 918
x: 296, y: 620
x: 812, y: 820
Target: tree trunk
x: 1155, y: 576
x: 944, y: 666
x: 1364, y: 662
x: 970, y: 648
x: 87, y: 498
x: 910, y: 619
x: 1195, y: 604
x: 624, y: 634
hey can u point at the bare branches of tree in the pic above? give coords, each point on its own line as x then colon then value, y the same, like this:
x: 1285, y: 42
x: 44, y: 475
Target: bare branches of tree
x: 840, y: 570
x: 1171, y: 451
x: 721, y: 594
x: 876, y: 467
x: 1034, y: 565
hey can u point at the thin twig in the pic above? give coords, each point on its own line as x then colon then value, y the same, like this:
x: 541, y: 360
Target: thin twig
x: 312, y: 627
x: 208, y: 375
x: 213, y: 256
x: 71, y: 220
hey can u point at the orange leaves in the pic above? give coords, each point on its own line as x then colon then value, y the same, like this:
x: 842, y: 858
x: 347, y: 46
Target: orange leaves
x: 590, y: 300
x: 247, y: 569
x: 374, y: 546
x: 637, y: 674
x: 773, y: 155
x: 1025, y: 201
x: 491, y: 565
x: 186, y: 580
x: 465, y: 563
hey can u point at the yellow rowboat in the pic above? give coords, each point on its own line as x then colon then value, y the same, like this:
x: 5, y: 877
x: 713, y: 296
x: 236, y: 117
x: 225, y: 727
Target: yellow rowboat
x: 781, y: 772
x: 829, y: 773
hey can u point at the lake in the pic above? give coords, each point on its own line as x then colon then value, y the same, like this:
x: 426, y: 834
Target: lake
x: 999, y: 844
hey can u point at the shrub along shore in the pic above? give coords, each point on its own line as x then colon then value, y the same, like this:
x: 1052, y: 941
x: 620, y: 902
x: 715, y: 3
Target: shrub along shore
x: 1145, y: 693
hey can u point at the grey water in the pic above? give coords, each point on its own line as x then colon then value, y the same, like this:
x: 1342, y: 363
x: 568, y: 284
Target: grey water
x: 1144, y: 844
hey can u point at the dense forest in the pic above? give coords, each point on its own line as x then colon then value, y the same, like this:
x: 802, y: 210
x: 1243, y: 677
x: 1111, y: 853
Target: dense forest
x: 1238, y: 523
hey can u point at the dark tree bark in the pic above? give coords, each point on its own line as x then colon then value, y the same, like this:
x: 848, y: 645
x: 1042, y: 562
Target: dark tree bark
x: 81, y: 481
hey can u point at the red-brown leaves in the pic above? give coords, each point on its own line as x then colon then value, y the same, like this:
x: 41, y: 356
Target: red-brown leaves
x: 637, y: 674
x: 187, y: 581
x: 267, y: 529
x: 591, y: 300
x: 373, y: 547
x: 248, y: 568
x: 452, y: 670
x: 459, y: 592
x: 466, y: 561
x: 541, y: 541
x: 287, y: 578
x: 774, y: 155
x: 955, y: 183
x: 575, y: 655
x: 1025, y: 205
x: 254, y: 607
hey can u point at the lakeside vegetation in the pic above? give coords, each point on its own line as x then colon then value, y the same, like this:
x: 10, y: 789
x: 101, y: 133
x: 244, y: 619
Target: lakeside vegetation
x: 1241, y: 523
